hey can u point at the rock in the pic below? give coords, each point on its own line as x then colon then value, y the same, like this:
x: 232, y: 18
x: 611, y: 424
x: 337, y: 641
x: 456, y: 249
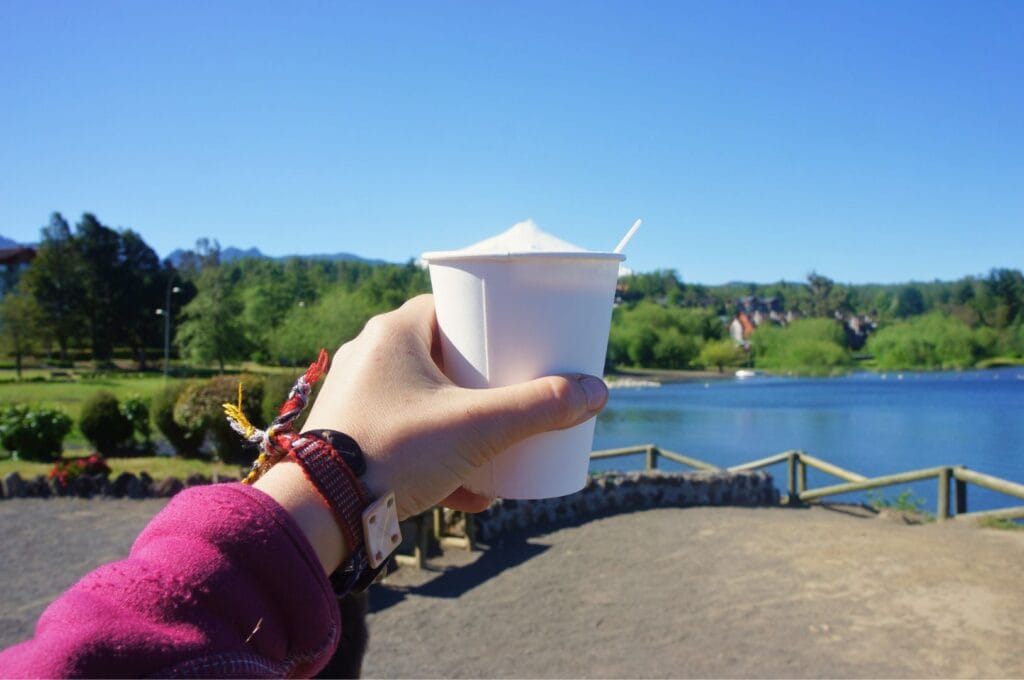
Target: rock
x: 57, y: 488
x: 101, y: 485
x: 14, y: 486
x: 166, y: 488
x: 196, y: 479
x: 135, y: 488
x: 147, y: 484
x: 119, y: 487
x: 128, y: 485
x: 82, y: 486
x: 38, y: 488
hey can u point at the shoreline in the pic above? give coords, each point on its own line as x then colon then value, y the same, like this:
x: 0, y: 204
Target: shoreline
x: 665, y: 375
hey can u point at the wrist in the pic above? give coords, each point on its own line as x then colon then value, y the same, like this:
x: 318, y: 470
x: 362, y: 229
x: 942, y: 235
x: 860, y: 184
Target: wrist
x: 289, y: 487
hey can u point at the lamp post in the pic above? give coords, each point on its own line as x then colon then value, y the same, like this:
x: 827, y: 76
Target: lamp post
x: 166, y: 313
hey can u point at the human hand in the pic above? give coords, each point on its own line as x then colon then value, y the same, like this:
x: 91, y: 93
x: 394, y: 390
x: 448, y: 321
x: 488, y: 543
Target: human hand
x: 422, y: 434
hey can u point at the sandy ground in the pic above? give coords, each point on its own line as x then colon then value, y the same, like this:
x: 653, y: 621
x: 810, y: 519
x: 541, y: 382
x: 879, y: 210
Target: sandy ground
x: 699, y: 592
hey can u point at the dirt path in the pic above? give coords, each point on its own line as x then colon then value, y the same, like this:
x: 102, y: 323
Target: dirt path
x: 714, y: 592
x: 709, y: 592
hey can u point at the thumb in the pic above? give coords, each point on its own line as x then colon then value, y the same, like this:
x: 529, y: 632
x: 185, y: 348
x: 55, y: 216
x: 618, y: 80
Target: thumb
x: 506, y: 415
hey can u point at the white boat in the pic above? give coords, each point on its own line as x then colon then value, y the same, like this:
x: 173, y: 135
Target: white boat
x: 745, y: 373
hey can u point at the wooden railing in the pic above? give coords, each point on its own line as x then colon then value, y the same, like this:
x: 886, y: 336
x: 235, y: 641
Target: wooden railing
x: 429, y: 526
x: 797, y: 491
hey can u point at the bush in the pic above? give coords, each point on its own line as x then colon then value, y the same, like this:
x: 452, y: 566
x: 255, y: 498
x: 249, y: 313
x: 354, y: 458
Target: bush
x: 65, y: 471
x: 33, y: 433
x: 136, y: 410
x: 103, y: 424
x: 721, y: 353
x: 809, y: 346
x: 933, y: 341
x: 200, y: 407
x: 187, y: 441
x: 275, y: 390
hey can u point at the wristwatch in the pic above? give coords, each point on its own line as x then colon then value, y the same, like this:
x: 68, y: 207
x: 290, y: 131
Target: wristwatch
x: 334, y: 463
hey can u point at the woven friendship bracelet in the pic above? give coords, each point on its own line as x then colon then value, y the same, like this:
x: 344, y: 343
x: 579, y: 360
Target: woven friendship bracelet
x: 332, y: 462
x: 337, y: 485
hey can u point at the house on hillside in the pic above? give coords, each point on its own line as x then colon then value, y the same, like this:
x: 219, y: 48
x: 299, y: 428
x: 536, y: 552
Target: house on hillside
x: 858, y: 327
x: 740, y: 329
x: 13, y: 261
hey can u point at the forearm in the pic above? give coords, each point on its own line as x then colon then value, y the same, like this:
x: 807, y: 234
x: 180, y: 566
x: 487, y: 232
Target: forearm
x: 222, y: 582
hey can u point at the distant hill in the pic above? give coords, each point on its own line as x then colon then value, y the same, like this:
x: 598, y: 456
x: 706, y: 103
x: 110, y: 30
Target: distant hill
x: 231, y: 253
x: 8, y: 243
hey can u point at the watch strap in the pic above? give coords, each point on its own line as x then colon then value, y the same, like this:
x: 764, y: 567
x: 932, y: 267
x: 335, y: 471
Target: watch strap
x: 337, y: 485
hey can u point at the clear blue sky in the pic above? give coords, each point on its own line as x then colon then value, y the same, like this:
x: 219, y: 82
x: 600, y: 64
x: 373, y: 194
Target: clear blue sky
x: 871, y: 141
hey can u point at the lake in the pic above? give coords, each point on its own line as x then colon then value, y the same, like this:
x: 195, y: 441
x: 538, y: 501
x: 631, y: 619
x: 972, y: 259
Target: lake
x: 870, y: 423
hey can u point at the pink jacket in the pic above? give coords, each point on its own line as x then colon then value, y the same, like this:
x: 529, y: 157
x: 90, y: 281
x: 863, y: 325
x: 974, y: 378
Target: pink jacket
x: 221, y: 583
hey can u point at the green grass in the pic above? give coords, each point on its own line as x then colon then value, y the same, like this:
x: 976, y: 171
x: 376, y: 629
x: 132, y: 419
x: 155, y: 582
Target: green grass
x: 906, y: 502
x: 158, y: 467
x: 1000, y: 523
x: 68, y: 395
x: 1001, y: 362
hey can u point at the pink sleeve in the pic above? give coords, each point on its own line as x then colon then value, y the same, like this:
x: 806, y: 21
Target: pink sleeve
x: 221, y: 583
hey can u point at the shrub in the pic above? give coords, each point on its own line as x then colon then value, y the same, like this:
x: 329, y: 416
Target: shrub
x: 33, y: 433
x: 187, y: 441
x: 811, y: 346
x: 136, y: 410
x: 721, y: 353
x: 275, y: 390
x: 932, y: 341
x: 200, y: 408
x: 103, y: 424
x: 66, y: 470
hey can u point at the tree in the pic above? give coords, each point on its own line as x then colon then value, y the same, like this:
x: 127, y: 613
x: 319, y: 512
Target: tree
x: 212, y: 329
x: 820, y: 288
x: 20, y: 322
x: 141, y: 286
x: 909, y: 302
x: 721, y: 353
x: 1006, y: 287
x: 55, y: 281
x: 99, y: 248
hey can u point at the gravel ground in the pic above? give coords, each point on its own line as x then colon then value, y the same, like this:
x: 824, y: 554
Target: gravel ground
x: 51, y: 543
x: 699, y: 592
x: 713, y: 592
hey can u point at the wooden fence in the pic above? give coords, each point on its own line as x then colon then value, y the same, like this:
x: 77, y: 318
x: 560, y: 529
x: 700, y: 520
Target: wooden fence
x: 797, y: 491
x: 429, y: 526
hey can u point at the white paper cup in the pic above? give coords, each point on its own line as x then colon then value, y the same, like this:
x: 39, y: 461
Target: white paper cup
x: 507, y: 319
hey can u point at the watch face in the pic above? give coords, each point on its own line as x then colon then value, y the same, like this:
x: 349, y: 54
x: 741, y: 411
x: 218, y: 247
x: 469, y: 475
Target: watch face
x: 347, y: 447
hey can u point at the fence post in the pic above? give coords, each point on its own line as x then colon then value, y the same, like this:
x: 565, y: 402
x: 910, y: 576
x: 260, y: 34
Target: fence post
x: 652, y: 458
x: 791, y: 461
x: 942, y: 513
x: 960, y: 494
x: 801, y: 481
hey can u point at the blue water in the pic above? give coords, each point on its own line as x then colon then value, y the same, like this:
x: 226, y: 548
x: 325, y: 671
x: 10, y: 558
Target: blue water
x: 869, y: 423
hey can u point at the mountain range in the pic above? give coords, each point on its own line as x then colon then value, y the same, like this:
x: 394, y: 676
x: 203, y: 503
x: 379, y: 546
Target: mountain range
x: 232, y: 253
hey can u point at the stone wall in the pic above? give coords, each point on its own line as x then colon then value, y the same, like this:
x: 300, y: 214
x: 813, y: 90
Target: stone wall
x: 125, y: 485
x: 615, y: 492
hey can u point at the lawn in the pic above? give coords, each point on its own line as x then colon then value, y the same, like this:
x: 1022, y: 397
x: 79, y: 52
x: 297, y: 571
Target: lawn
x: 158, y: 467
x: 68, y: 395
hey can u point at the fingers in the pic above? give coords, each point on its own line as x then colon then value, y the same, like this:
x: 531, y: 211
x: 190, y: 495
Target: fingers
x: 506, y: 415
x: 467, y: 501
